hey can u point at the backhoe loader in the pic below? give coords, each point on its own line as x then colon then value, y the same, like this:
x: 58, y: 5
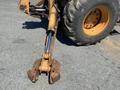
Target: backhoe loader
x: 85, y: 22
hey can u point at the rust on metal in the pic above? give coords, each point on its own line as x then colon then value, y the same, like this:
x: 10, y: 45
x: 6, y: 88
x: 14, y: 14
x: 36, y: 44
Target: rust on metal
x: 46, y: 64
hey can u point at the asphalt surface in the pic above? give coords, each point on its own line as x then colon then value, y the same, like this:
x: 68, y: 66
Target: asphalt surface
x: 95, y: 67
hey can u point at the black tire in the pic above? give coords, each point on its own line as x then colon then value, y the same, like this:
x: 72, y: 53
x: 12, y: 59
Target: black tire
x: 74, y: 13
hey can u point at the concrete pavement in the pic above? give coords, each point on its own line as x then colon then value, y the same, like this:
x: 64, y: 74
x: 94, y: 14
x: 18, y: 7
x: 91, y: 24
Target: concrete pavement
x: 95, y: 67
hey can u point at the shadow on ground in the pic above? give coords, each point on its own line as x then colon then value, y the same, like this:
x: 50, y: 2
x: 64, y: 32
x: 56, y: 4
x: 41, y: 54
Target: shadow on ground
x: 60, y: 35
x: 114, y: 32
x: 35, y: 24
x: 43, y: 24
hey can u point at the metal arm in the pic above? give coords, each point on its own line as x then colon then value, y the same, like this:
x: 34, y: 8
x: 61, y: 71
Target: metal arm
x: 46, y: 64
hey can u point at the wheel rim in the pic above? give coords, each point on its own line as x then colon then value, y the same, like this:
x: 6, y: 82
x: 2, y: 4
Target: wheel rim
x: 96, y: 20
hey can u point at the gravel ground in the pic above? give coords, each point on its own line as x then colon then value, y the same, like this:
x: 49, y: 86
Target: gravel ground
x: 95, y: 67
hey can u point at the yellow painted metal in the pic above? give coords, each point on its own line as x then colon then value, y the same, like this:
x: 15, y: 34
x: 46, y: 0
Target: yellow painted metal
x: 46, y: 60
x: 47, y: 63
x: 52, y: 15
x: 24, y: 5
x: 44, y: 67
x: 96, y: 20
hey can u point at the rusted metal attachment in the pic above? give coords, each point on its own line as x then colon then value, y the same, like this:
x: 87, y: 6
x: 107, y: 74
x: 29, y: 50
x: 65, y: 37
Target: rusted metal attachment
x: 34, y: 72
x: 54, y: 73
x: 46, y: 64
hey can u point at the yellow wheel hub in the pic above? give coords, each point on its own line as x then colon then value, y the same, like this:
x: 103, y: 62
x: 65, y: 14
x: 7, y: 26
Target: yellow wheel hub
x: 96, y: 20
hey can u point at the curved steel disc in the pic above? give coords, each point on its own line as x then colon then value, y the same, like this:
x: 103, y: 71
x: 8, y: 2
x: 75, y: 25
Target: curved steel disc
x: 34, y: 72
x: 33, y: 75
x: 54, y: 74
